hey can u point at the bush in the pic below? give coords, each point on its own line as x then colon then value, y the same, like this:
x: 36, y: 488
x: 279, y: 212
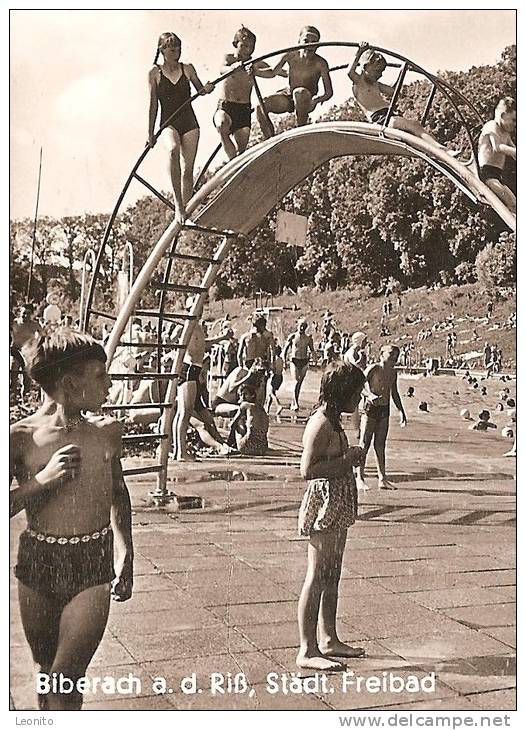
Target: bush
x: 465, y: 273
x: 496, y: 264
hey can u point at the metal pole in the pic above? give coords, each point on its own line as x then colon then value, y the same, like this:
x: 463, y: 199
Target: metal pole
x: 33, y: 241
x: 394, y: 99
x: 90, y: 253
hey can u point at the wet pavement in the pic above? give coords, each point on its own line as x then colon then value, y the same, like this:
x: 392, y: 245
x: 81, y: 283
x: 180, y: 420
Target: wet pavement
x: 428, y: 585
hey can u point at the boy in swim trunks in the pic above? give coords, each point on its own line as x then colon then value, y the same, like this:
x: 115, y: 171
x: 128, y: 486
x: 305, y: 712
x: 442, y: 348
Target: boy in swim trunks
x: 495, y: 144
x: 372, y: 96
x: 69, y: 481
x: 258, y: 343
x: 380, y: 387
x: 306, y: 68
x: 300, y: 346
x: 232, y: 118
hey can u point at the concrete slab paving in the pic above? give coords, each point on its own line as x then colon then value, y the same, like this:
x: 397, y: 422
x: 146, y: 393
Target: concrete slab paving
x: 499, y: 700
x: 506, y: 634
x: 174, y: 619
x: 478, y: 617
x: 438, y: 645
x: 466, y: 596
x: 167, y: 645
x: 478, y: 674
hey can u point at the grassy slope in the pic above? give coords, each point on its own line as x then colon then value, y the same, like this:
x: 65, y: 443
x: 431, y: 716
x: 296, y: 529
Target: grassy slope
x: 354, y: 310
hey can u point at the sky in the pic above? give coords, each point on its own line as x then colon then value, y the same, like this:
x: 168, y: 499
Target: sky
x: 78, y: 83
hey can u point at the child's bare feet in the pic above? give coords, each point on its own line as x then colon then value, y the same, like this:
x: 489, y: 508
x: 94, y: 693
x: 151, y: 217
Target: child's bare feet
x: 319, y: 663
x: 362, y: 485
x: 338, y: 648
x: 179, y: 216
x: 385, y: 484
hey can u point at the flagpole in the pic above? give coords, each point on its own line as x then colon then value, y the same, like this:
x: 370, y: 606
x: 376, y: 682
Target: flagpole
x: 33, y: 241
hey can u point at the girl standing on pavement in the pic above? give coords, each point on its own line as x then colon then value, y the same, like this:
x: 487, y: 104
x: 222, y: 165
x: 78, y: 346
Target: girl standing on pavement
x: 329, y: 507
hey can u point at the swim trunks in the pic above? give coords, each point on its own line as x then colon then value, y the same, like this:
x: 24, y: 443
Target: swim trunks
x: 379, y: 116
x: 276, y: 382
x: 300, y: 362
x: 377, y: 413
x: 238, y: 112
x: 61, y: 567
x: 171, y: 97
x: 490, y: 172
x: 190, y: 373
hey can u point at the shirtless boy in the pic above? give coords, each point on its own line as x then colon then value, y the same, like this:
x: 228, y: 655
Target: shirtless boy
x: 380, y: 386
x: 306, y: 68
x: 257, y: 343
x: 495, y: 144
x: 69, y: 481
x: 299, y: 344
x: 232, y: 118
x: 371, y: 95
x: 226, y: 401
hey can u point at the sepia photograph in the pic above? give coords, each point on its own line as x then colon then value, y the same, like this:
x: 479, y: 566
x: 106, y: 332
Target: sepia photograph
x: 263, y: 353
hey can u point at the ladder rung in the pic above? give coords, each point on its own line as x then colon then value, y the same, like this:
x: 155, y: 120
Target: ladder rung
x: 134, y: 406
x: 102, y: 314
x: 181, y: 288
x: 155, y: 468
x: 214, y: 231
x: 164, y: 315
x: 144, y: 437
x: 143, y: 376
x: 192, y: 257
x: 151, y: 345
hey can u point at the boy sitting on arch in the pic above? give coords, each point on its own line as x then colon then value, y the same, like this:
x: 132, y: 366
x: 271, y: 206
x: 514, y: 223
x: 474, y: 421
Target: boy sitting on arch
x: 371, y: 95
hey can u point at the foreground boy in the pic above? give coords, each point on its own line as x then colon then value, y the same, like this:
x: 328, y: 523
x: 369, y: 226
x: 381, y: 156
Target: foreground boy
x: 67, y: 467
x: 380, y: 386
x: 306, y: 68
x: 495, y: 144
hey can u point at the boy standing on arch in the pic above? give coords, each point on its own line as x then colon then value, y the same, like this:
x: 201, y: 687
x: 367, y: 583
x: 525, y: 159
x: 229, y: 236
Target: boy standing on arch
x: 69, y: 481
x: 232, y: 118
x: 371, y: 95
x: 306, y: 68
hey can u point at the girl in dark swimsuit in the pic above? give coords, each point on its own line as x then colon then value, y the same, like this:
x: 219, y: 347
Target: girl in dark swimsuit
x: 170, y: 87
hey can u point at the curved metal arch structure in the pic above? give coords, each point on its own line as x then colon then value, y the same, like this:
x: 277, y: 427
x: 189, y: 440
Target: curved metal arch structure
x: 235, y: 200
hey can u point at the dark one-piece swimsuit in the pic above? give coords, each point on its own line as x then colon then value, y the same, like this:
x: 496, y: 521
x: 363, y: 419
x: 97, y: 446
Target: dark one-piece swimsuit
x: 171, y: 97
